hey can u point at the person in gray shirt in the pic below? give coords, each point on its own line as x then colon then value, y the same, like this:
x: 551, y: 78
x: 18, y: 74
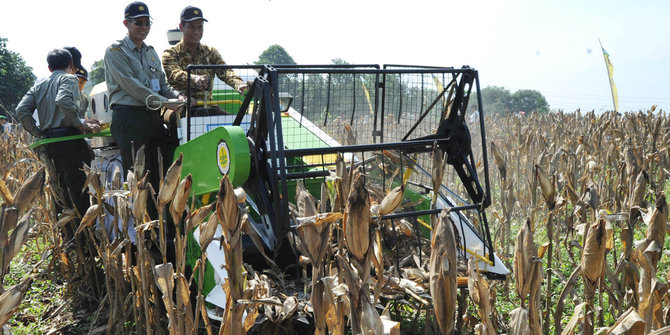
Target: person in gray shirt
x: 56, y: 99
x: 134, y: 78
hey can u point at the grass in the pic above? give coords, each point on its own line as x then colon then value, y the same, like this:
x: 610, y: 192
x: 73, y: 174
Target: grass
x: 41, y: 309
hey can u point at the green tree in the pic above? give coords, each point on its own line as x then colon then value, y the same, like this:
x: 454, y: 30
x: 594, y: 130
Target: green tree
x: 339, y: 61
x: 529, y: 101
x: 275, y: 54
x: 15, y: 77
x: 496, y: 100
x: 97, y: 74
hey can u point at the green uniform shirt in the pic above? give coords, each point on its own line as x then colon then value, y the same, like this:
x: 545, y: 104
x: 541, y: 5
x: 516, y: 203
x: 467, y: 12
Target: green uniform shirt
x: 132, y: 75
x: 83, y: 104
x: 177, y: 58
x: 56, y: 98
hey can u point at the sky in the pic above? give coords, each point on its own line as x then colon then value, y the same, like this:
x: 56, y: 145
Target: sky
x: 548, y: 46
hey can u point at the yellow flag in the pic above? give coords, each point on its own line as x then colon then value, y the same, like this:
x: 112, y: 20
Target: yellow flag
x: 610, y: 71
x: 367, y: 96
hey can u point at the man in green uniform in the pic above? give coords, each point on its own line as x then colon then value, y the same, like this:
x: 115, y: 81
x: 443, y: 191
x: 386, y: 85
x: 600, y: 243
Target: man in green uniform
x: 82, y: 77
x: 134, y: 77
x: 56, y: 100
x: 190, y: 51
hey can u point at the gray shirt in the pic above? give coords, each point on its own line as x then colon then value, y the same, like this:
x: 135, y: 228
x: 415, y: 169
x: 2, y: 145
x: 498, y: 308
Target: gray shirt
x: 134, y: 74
x: 56, y: 98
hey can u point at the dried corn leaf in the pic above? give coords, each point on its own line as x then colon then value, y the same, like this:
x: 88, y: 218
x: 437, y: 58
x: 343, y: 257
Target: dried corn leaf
x: 140, y: 200
x: 23, y: 199
x: 628, y: 323
x: 658, y: 220
x: 164, y: 275
x: 437, y: 169
x: 518, y: 322
x: 226, y: 205
x: 499, y: 160
x: 140, y: 161
x: 304, y: 200
x: 9, y: 218
x: 390, y: 327
x: 181, y: 197
x: 593, y: 257
x: 6, y: 193
x: 576, y: 319
x: 92, y: 213
x: 640, y: 189
x: 18, y: 238
x: 357, y: 218
x: 199, y: 215
x: 289, y: 308
x: 392, y: 200
x: 524, y: 251
x: 547, y: 186
x: 371, y: 323
x: 542, y: 250
x: 11, y: 299
x: 443, y: 272
x: 207, y: 231
x: 170, y: 182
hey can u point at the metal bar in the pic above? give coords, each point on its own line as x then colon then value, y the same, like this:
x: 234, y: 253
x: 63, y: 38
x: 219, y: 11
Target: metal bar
x: 277, y: 148
x: 374, y: 71
x: 487, y: 196
x: 325, y: 118
x: 417, y: 146
x: 188, y: 104
x: 353, y: 108
x: 383, y: 108
x: 204, y: 66
x: 376, y: 114
x: 386, y: 66
x: 307, y: 174
x: 488, y: 236
x: 316, y: 165
x: 219, y: 102
x: 334, y: 68
x: 425, y: 212
x: 400, y: 96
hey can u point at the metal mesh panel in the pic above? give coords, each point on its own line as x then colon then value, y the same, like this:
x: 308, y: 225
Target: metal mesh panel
x: 367, y: 108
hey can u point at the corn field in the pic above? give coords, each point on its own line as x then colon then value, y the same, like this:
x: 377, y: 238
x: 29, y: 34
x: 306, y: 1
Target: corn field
x: 580, y: 215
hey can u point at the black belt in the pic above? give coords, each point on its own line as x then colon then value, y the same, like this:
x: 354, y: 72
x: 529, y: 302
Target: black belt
x: 130, y: 107
x: 60, y: 132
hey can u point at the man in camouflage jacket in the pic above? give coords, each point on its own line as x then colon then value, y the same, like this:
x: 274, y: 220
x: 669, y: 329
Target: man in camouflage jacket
x: 190, y: 51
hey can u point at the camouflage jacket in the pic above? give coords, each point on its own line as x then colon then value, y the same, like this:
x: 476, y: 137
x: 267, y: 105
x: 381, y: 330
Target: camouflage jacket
x: 177, y: 58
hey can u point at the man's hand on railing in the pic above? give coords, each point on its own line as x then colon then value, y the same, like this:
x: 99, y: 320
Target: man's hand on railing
x: 89, y: 126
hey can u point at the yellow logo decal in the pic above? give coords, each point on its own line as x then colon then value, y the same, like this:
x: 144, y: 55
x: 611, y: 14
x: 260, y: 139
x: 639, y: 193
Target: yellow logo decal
x: 223, y: 157
x: 141, y: 8
x: 195, y: 12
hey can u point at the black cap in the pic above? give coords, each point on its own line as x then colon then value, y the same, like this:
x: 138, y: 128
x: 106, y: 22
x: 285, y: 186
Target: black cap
x: 76, y: 56
x: 136, y: 9
x: 191, y: 13
x: 82, y: 73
